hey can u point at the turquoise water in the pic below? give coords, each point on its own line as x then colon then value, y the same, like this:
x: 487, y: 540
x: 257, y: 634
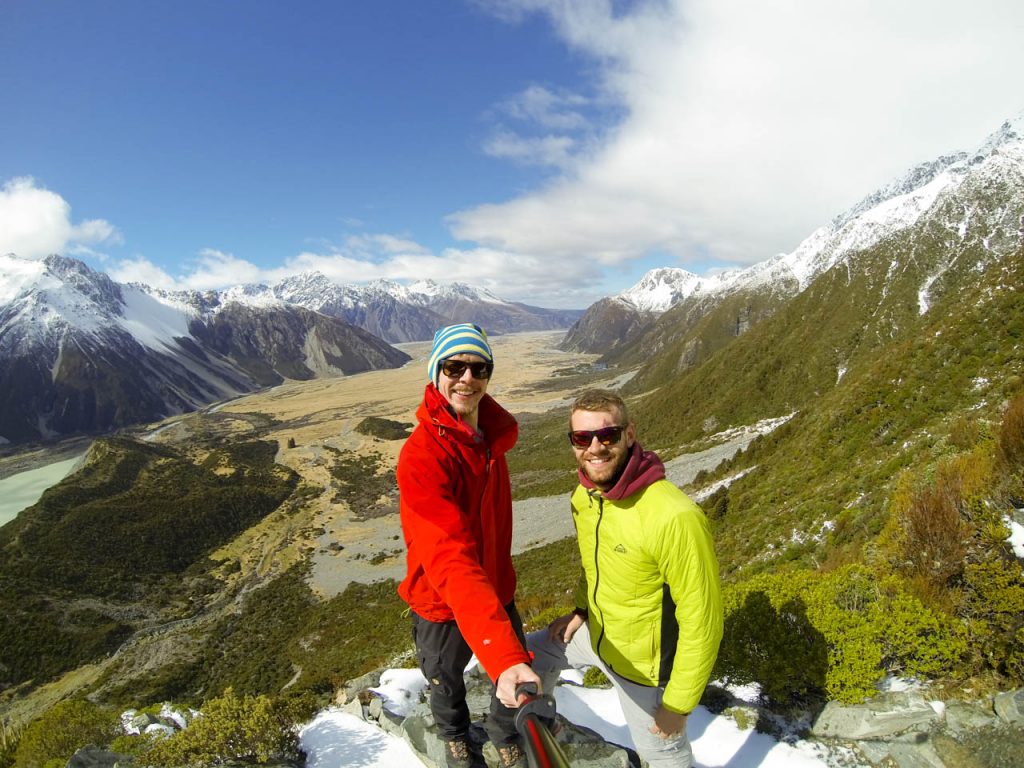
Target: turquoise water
x: 24, y: 489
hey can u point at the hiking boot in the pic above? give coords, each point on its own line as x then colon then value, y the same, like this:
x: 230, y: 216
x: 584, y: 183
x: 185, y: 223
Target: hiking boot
x: 459, y: 753
x: 511, y: 756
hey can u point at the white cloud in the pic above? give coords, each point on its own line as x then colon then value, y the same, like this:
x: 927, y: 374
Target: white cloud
x: 556, y: 111
x: 213, y: 270
x: 338, y: 267
x: 367, y: 243
x: 543, y: 150
x: 748, y: 125
x: 142, y: 270
x: 35, y: 222
x: 217, y: 269
x: 511, y: 276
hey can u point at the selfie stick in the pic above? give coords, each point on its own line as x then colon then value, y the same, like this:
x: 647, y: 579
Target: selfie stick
x: 542, y: 750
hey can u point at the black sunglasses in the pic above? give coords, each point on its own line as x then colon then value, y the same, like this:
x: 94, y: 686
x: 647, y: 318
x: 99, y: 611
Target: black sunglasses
x: 581, y: 438
x: 454, y: 369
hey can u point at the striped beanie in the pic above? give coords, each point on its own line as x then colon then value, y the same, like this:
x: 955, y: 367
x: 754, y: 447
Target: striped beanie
x: 461, y: 339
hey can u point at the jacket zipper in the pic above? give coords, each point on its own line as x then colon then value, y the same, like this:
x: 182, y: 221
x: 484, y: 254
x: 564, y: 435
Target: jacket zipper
x: 487, y: 476
x: 597, y: 565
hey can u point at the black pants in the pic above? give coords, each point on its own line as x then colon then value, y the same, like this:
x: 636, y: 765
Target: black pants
x: 443, y: 656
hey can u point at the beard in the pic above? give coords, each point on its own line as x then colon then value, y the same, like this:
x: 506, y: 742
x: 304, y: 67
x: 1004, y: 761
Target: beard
x: 604, y: 476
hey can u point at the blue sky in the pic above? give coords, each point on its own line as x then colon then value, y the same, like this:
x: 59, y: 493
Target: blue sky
x: 548, y: 150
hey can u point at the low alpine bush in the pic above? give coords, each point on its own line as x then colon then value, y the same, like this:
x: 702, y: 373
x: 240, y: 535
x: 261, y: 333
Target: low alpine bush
x: 804, y: 636
x: 252, y: 729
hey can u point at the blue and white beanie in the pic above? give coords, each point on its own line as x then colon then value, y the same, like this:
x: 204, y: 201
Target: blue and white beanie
x: 461, y: 339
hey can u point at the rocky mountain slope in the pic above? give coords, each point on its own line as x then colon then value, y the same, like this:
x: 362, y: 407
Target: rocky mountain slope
x: 895, y: 335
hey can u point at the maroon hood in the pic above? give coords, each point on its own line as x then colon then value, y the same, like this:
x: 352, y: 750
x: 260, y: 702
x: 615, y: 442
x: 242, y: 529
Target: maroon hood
x: 642, y: 468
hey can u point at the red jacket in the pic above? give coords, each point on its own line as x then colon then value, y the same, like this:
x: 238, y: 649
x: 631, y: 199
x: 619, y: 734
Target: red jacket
x: 456, y: 507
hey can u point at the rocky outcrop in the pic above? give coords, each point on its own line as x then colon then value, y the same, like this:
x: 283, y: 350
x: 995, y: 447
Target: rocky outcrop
x: 907, y: 730
x: 583, y: 748
x: 894, y: 730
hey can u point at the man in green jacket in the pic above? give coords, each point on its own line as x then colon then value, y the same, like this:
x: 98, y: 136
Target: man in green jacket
x: 649, y: 613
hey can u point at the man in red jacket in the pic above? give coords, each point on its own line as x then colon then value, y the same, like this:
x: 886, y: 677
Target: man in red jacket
x: 456, y: 509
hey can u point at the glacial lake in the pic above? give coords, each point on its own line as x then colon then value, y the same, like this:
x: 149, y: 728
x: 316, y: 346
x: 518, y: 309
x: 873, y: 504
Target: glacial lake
x: 24, y: 489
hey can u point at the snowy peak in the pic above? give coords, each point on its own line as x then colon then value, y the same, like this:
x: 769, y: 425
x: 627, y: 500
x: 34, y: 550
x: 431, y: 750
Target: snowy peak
x: 660, y: 289
x: 78, y: 278
x: 250, y: 296
x: 316, y: 291
x: 447, y: 292
x: 908, y: 201
x: 42, y: 299
x: 305, y: 283
x: 1010, y: 132
x: 399, y: 313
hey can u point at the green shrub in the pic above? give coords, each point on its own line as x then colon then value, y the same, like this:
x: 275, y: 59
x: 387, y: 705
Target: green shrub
x: 769, y: 640
x: 1015, y: 659
x: 804, y: 636
x: 992, y: 603
x: 62, y: 730
x: 595, y: 678
x: 132, y: 744
x: 365, y: 483
x: 385, y: 429
x: 888, y: 632
x: 249, y: 728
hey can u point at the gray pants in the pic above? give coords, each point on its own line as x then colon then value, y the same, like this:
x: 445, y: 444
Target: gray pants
x: 639, y: 702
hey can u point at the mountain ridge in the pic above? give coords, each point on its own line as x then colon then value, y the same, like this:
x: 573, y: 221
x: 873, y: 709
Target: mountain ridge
x: 898, y: 205
x: 83, y: 354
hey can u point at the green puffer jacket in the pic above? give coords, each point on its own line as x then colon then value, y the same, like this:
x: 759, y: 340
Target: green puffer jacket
x: 652, y: 585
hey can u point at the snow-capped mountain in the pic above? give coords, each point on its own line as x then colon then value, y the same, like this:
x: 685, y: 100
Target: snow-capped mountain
x: 81, y: 353
x: 974, y: 200
x: 662, y: 288
x: 431, y: 293
x: 949, y: 192
x: 383, y: 308
x: 413, y: 313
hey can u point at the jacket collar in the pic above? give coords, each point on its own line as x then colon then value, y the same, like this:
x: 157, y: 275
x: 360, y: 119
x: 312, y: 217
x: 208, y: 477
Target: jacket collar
x: 499, y: 427
x: 642, y: 468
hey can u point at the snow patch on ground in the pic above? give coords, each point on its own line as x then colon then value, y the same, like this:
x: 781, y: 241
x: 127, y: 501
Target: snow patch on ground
x: 336, y: 739
x: 1016, y: 537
